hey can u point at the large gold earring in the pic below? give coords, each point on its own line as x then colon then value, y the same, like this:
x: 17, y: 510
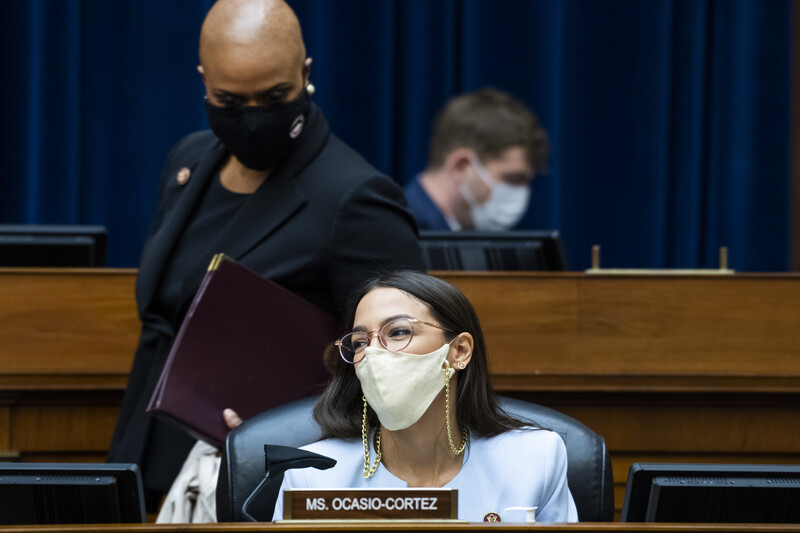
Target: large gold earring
x: 464, y: 434
x: 369, y: 472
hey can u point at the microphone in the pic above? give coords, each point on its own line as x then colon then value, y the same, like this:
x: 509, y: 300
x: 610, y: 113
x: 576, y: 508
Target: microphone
x: 277, y: 460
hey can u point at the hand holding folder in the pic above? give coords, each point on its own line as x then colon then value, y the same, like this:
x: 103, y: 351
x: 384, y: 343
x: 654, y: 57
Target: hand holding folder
x: 247, y: 344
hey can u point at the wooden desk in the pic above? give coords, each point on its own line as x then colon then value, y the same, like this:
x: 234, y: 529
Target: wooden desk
x: 68, y: 337
x: 67, y: 329
x: 575, y: 332
x: 613, y: 527
x: 666, y: 368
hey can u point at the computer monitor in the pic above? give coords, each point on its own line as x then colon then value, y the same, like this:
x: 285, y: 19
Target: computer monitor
x: 704, y: 493
x: 31, y: 245
x: 70, y: 493
x: 486, y: 250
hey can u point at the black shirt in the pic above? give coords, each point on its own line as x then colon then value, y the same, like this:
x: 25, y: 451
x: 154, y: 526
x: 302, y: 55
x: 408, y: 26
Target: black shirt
x: 215, y: 209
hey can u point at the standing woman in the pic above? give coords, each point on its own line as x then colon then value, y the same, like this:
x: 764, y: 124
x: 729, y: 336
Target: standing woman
x: 270, y: 186
x: 411, y: 405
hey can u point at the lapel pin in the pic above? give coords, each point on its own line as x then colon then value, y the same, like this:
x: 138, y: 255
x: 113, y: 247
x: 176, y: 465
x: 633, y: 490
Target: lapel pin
x: 183, y: 175
x: 297, y: 127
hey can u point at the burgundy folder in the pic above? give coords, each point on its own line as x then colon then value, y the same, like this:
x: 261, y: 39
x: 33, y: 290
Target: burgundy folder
x: 246, y: 343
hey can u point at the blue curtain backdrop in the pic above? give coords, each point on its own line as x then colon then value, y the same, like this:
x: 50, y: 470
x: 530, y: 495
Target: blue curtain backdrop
x: 669, y: 120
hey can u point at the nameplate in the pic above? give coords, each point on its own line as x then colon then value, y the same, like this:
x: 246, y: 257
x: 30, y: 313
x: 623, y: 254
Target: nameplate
x: 370, y: 504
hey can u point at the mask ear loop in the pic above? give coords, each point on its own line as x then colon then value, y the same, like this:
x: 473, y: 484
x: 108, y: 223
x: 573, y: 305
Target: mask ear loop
x: 482, y: 172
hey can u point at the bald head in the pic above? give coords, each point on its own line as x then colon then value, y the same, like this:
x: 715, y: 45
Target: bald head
x: 248, y: 25
x: 250, y: 46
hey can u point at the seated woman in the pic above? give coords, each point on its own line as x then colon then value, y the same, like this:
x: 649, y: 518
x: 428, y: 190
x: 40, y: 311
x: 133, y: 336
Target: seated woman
x: 411, y: 405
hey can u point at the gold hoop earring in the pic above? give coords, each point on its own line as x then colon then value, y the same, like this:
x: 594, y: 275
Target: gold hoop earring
x: 369, y: 472
x: 461, y: 365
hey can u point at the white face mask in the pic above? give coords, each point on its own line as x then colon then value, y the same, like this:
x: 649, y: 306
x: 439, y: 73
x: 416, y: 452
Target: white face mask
x: 401, y: 386
x: 505, y: 206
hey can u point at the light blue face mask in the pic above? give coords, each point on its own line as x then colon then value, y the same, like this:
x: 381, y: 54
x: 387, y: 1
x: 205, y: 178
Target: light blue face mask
x: 505, y: 206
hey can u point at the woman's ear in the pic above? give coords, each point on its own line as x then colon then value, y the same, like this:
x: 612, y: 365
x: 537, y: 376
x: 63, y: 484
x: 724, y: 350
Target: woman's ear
x: 461, y: 356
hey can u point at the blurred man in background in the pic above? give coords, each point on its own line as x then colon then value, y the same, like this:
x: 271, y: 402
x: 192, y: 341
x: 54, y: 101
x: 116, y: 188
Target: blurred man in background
x: 485, y: 149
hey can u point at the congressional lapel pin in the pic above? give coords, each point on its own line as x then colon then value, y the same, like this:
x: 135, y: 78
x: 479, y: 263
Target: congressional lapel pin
x: 491, y: 517
x: 183, y: 176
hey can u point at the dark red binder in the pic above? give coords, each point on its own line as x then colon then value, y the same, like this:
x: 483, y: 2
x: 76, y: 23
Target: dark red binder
x: 246, y: 343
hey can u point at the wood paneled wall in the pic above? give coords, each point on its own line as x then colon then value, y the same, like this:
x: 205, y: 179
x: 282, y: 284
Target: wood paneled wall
x: 67, y: 342
x: 666, y: 368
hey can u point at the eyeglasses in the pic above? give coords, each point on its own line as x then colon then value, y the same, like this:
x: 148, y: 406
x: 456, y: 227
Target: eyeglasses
x: 394, y: 336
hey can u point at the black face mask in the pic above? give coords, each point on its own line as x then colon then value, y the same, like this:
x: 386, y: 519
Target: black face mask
x: 260, y: 136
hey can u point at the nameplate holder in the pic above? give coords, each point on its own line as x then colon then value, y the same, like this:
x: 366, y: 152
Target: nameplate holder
x: 370, y: 504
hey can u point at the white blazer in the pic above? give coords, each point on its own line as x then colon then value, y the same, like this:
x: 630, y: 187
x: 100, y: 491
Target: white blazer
x: 520, y: 468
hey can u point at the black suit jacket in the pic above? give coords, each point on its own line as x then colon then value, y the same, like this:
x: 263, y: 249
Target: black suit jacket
x: 322, y: 222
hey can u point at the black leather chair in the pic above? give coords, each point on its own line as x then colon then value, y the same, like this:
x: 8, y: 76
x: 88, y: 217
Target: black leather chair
x: 242, y: 469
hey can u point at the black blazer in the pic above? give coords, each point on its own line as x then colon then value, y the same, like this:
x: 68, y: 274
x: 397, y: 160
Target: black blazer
x: 324, y: 221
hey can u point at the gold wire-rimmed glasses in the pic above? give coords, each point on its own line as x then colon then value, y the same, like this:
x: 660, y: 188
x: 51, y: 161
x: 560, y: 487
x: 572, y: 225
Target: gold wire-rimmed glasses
x: 395, y: 335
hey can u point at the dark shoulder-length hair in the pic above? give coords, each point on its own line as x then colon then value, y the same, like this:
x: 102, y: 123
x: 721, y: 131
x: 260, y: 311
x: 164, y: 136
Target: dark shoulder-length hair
x: 339, y: 410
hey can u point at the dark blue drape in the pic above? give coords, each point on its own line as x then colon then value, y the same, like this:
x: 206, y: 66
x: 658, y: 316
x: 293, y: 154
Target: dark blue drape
x: 669, y: 120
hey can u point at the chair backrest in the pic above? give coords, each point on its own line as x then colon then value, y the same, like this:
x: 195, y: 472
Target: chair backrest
x: 588, y: 462
x: 243, y: 465
x: 242, y: 468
